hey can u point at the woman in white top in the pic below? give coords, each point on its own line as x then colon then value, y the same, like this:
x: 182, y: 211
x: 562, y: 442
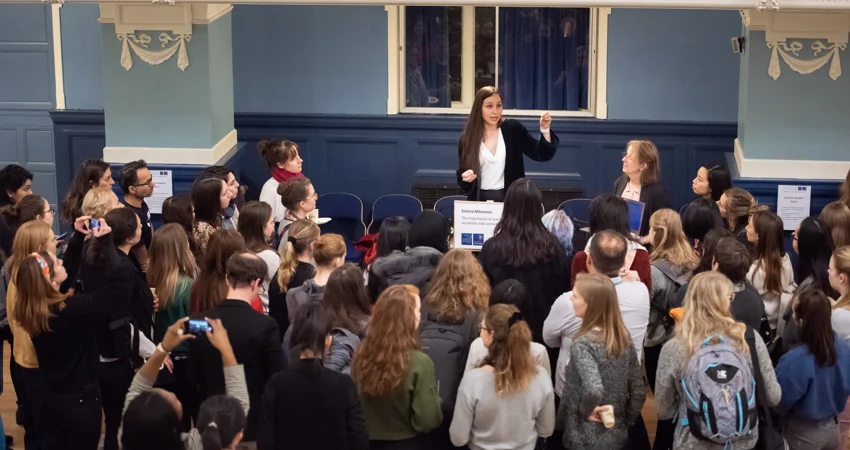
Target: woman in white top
x: 490, y: 149
x: 509, y: 292
x: 771, y: 273
x: 839, y: 279
x: 284, y: 163
x: 507, y: 402
x: 256, y: 225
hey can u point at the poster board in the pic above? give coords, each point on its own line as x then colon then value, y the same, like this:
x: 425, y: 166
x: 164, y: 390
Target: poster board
x: 793, y: 204
x: 162, y: 190
x: 474, y: 223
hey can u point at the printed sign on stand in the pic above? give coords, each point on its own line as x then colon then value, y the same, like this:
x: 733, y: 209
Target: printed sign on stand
x: 475, y: 222
x: 162, y: 190
x: 793, y: 204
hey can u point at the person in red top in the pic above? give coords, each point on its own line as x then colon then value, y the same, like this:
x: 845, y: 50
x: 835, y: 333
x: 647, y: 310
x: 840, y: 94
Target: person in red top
x: 609, y: 212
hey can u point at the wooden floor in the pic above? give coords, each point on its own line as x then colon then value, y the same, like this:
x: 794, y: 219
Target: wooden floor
x: 8, y: 407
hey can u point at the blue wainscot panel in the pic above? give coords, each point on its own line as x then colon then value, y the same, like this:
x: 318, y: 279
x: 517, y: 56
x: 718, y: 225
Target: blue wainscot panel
x: 372, y: 156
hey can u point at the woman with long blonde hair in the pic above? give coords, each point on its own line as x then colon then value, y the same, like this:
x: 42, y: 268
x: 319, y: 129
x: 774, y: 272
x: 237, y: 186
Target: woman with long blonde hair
x: 706, y: 315
x: 508, y: 400
x: 395, y: 379
x: 603, y: 369
x: 31, y: 237
x: 171, y: 273
x: 672, y: 261
x: 296, y: 267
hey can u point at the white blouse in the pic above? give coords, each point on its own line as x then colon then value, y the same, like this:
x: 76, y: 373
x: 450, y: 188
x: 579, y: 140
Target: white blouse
x: 493, y: 166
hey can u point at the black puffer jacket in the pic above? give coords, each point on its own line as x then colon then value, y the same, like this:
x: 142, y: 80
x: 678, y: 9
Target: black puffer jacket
x: 414, y: 266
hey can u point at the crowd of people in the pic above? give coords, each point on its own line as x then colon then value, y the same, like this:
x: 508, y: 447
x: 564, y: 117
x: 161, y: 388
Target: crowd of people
x: 239, y: 324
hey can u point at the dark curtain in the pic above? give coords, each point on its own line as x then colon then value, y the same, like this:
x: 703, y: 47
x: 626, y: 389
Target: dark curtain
x: 427, y: 57
x: 543, y: 60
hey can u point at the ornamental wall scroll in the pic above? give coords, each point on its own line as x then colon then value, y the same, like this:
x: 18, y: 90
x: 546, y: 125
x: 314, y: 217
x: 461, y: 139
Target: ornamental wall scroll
x: 139, y: 45
x: 790, y: 54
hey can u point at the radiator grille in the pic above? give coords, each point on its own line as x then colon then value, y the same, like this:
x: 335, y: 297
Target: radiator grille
x: 428, y: 194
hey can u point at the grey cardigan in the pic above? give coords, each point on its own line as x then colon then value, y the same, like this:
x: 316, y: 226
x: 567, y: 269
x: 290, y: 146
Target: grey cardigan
x: 670, y: 401
x: 235, y: 386
x: 593, y: 378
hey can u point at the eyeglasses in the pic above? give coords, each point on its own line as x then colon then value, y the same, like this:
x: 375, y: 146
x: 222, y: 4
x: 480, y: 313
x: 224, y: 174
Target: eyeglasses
x: 146, y: 183
x: 484, y: 328
x: 51, y: 211
x: 794, y: 237
x: 627, y: 155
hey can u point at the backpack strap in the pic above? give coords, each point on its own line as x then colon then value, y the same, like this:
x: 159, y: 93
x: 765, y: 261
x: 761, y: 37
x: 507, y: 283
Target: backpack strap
x: 764, y: 414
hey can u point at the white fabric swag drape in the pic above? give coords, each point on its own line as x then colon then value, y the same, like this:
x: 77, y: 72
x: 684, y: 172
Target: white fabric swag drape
x: 791, y: 52
x: 139, y: 45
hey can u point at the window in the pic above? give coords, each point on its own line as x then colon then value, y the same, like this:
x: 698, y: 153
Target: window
x: 539, y: 58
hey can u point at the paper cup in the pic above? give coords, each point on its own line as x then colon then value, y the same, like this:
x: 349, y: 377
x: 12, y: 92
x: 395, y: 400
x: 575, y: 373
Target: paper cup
x: 608, y: 416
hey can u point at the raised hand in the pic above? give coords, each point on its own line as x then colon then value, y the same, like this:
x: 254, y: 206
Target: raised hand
x: 545, y: 121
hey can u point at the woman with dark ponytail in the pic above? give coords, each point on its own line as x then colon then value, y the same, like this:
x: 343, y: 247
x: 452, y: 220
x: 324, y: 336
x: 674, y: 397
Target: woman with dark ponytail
x: 221, y: 423
x: 284, y: 163
x: 508, y: 400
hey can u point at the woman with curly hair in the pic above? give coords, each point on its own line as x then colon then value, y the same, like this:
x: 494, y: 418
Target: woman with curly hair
x: 395, y: 379
x: 459, y: 295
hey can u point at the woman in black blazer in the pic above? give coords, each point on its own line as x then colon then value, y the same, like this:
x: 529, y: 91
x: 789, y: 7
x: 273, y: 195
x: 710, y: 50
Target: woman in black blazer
x: 490, y: 149
x: 640, y: 180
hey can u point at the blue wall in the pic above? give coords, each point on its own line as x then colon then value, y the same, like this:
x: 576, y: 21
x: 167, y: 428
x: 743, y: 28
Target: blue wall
x: 81, y: 56
x: 662, y: 64
x: 796, y: 116
x: 310, y: 59
x: 27, y: 92
x: 672, y: 65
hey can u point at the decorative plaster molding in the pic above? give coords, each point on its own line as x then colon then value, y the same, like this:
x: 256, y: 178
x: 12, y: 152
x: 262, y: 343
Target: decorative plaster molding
x: 789, y: 168
x: 158, y: 155
x: 139, y: 44
x: 178, y: 19
x: 804, y: 66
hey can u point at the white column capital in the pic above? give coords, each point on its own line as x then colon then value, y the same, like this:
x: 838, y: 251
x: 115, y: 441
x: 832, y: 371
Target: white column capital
x: 779, y: 26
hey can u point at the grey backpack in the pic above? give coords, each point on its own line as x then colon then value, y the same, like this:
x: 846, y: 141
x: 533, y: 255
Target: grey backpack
x: 720, y: 393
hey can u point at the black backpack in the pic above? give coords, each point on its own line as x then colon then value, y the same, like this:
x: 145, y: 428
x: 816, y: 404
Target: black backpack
x: 663, y: 305
x: 448, y: 347
x: 119, y: 321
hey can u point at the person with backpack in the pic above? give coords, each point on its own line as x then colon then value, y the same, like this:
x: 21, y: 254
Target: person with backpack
x: 125, y: 334
x: 814, y: 376
x: 308, y: 405
x: 709, y: 346
x: 347, y: 305
x: 508, y: 401
x: 604, y: 371
x: 672, y: 262
x: 450, y: 318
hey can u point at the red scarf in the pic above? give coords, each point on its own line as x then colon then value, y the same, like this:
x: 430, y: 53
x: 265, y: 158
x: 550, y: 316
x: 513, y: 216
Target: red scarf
x: 281, y: 175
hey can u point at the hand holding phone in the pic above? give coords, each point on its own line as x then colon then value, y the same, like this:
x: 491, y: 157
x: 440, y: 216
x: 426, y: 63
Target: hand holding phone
x: 94, y: 223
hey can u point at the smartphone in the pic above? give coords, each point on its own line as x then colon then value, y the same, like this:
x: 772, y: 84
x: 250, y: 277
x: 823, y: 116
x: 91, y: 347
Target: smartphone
x: 62, y: 236
x: 94, y: 223
x: 197, y: 327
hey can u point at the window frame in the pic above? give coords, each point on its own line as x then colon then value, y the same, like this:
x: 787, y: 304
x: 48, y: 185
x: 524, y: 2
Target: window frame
x: 396, y: 71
